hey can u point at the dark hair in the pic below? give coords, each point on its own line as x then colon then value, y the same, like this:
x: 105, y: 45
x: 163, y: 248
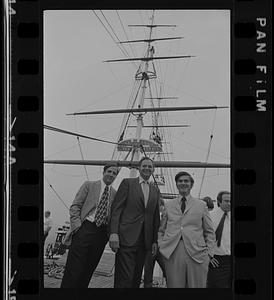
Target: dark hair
x: 109, y: 166
x: 209, y: 202
x: 145, y: 158
x: 183, y: 173
x: 220, y: 197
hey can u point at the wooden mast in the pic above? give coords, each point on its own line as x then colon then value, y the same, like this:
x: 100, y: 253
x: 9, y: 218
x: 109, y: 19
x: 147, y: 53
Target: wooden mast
x: 136, y: 151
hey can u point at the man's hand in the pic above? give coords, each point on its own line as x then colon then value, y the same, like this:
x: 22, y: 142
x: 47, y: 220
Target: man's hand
x: 154, y: 249
x: 214, y: 262
x: 114, y: 242
x: 76, y: 229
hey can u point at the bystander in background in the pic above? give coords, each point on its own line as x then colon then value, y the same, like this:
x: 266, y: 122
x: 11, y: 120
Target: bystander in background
x: 209, y: 202
x: 47, y: 224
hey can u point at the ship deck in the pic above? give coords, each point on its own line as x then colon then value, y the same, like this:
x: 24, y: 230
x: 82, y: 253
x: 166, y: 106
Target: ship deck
x: 103, y: 276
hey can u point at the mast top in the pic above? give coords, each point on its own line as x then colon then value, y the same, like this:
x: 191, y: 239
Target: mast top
x: 149, y: 58
x: 151, y: 40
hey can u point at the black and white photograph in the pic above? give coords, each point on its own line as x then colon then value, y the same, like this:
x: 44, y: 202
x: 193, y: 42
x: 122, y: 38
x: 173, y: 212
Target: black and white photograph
x: 137, y: 142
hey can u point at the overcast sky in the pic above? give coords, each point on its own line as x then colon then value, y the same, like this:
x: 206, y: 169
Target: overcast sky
x: 76, y: 79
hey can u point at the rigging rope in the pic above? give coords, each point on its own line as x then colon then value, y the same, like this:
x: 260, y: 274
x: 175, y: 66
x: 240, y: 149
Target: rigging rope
x: 56, y: 192
x: 128, y: 115
x: 209, y: 148
x: 204, y: 171
x: 118, y: 45
x: 78, y: 140
x: 203, y: 149
x: 142, y: 21
x: 132, y: 49
x: 157, y: 121
x: 76, y: 134
x: 111, y: 93
x: 154, y: 114
x: 193, y: 96
x: 82, y: 157
x: 168, y: 147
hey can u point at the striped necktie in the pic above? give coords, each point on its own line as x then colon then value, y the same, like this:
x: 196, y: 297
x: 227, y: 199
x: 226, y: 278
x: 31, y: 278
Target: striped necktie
x: 102, y: 208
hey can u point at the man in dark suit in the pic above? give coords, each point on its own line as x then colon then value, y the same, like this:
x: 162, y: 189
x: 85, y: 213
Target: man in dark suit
x: 134, y: 225
x: 150, y: 259
x: 88, y: 234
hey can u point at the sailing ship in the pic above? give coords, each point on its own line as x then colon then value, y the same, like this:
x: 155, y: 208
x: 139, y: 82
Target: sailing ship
x: 145, y: 127
x: 127, y: 149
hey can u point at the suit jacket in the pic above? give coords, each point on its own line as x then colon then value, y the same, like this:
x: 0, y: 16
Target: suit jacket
x: 84, y: 202
x: 129, y: 214
x: 194, y: 226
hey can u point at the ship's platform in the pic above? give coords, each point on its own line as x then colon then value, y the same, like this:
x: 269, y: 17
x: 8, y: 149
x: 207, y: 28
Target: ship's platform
x: 103, y: 276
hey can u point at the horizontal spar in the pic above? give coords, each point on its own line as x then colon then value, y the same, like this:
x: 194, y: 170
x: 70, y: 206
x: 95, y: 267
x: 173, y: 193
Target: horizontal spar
x: 134, y: 164
x: 142, y: 110
x: 160, y: 126
x: 148, y: 25
x: 76, y: 134
x: 151, y: 40
x: 161, y: 98
x: 149, y: 58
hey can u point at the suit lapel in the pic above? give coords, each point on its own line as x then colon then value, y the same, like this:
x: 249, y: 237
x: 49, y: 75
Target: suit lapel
x: 111, y: 195
x: 139, y: 190
x: 97, y: 189
x: 150, y: 193
x: 93, y: 197
x: 188, y: 204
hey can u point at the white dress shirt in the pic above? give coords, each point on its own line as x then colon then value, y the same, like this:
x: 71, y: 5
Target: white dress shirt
x: 145, y: 189
x: 91, y: 215
x: 216, y: 216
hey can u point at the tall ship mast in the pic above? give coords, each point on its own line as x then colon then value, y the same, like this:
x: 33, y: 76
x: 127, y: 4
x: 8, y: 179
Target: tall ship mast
x: 149, y: 136
x: 144, y: 129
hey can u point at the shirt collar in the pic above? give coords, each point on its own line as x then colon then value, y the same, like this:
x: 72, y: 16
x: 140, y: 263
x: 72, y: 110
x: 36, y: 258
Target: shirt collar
x: 141, y: 180
x: 103, y: 185
x: 188, y: 197
x: 221, y: 212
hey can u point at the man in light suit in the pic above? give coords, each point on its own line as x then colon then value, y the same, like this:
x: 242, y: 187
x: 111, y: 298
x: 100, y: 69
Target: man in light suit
x: 88, y: 234
x: 134, y: 225
x: 186, y: 237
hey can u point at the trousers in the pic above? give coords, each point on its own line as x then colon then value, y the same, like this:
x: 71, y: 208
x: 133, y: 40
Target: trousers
x: 85, y: 252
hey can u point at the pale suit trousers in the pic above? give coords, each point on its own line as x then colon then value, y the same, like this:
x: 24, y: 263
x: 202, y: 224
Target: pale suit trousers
x: 184, y: 272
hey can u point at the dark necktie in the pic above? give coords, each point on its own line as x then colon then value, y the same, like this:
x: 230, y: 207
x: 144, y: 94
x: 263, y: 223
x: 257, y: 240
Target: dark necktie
x: 102, y: 208
x: 219, y: 230
x: 183, y: 204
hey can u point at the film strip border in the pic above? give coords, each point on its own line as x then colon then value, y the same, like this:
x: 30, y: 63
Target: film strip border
x: 251, y: 172
x: 26, y: 191
x: 251, y: 156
